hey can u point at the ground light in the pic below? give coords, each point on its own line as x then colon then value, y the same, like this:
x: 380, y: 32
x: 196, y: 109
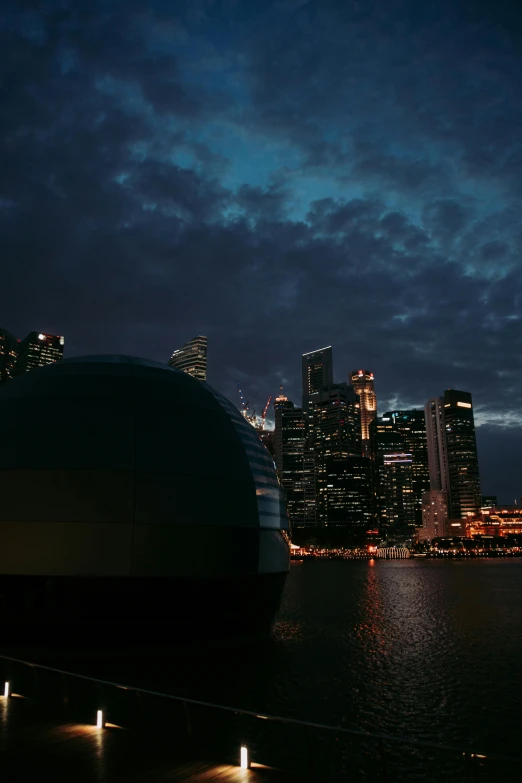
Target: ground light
x: 100, y: 723
x: 6, y: 690
x: 245, y: 763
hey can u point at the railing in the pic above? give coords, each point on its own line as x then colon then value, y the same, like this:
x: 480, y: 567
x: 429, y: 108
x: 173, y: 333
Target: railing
x: 313, y: 751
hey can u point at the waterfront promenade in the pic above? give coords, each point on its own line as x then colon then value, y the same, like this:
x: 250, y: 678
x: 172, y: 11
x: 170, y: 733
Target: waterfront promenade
x: 37, y: 744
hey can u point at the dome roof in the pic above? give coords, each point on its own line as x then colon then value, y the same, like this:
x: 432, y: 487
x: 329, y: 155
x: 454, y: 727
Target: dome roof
x: 117, y: 440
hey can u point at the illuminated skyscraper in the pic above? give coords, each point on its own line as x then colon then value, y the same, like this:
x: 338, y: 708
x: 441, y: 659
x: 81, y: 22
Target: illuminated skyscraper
x: 317, y: 371
x: 436, y: 443
x: 461, y: 445
x: 37, y: 350
x: 334, y: 422
x: 393, y: 479
x: 363, y: 384
x: 434, y: 515
x: 191, y: 358
x: 294, y: 461
x: 8, y: 355
x: 349, y: 493
x: 411, y: 424
x: 435, y: 502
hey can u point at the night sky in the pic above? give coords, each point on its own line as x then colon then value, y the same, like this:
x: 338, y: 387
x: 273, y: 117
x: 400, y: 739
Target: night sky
x: 279, y: 175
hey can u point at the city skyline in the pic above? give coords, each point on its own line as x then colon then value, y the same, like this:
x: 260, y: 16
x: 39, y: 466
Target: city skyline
x: 279, y: 176
x: 487, y: 478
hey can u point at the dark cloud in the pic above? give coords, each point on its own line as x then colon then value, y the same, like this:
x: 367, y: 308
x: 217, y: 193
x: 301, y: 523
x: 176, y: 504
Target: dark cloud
x: 279, y: 176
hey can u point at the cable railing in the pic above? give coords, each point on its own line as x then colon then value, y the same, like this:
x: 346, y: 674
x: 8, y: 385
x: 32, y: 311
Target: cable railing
x: 314, y: 750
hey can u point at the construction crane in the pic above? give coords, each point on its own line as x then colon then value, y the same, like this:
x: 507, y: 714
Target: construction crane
x: 250, y: 417
x: 263, y: 415
x: 244, y: 403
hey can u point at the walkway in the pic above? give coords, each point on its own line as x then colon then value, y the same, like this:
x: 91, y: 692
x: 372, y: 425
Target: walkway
x: 36, y: 744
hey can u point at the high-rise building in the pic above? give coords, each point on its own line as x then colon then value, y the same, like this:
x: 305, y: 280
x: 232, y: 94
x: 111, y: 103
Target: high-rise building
x: 435, y: 504
x: 363, y: 384
x: 191, y: 358
x: 461, y: 446
x: 489, y: 501
x: 334, y: 423
x: 8, y: 355
x: 411, y: 424
x: 37, y: 350
x: 393, y: 479
x: 317, y: 372
x: 349, y: 493
x: 294, y: 461
x: 434, y: 515
x: 436, y: 443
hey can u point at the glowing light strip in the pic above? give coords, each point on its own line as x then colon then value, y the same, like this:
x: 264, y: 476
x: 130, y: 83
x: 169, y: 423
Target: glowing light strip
x: 317, y: 351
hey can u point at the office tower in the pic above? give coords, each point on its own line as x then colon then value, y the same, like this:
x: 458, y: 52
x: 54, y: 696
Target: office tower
x: 438, y: 500
x: 334, y: 422
x: 363, y: 384
x: 349, y: 493
x: 489, y: 501
x: 37, y: 350
x: 462, y: 459
x: 436, y: 444
x: 191, y: 358
x: 434, y: 515
x: 317, y: 371
x: 8, y: 355
x: 411, y: 424
x: 393, y: 480
x: 294, y: 461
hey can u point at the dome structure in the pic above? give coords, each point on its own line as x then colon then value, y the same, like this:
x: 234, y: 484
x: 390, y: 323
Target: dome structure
x: 133, y: 494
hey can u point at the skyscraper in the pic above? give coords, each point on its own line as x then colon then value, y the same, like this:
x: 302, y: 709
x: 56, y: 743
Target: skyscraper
x: 411, y: 424
x: 191, y: 358
x: 37, y: 350
x: 436, y: 444
x: 334, y: 422
x: 317, y: 372
x: 349, y: 493
x: 461, y: 446
x: 294, y: 461
x: 363, y: 384
x: 393, y: 479
x: 435, y: 502
x: 434, y: 515
x: 8, y: 355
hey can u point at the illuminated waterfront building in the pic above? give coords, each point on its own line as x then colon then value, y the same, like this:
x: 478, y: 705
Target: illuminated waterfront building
x: 461, y: 447
x: 294, y: 461
x: 8, y: 355
x: 191, y: 358
x: 37, y: 350
x: 317, y: 372
x: 349, y: 493
x: 363, y: 384
x: 495, y: 521
x: 393, y: 479
x: 434, y: 515
x: 334, y: 422
x: 411, y: 424
x: 436, y: 444
x: 435, y: 502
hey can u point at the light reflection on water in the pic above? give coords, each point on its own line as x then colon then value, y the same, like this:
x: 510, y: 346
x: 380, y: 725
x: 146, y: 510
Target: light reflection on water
x: 429, y: 649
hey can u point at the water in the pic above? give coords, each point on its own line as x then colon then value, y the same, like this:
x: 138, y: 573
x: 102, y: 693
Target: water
x: 418, y: 648
x: 425, y: 649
